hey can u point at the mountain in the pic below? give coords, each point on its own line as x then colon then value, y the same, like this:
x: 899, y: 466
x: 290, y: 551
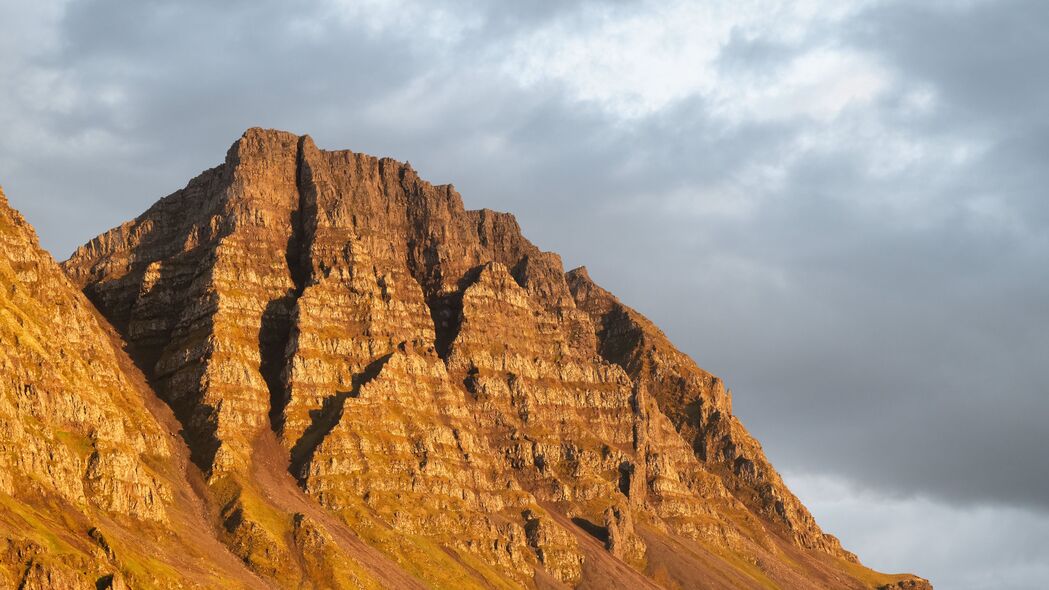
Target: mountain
x: 375, y: 387
x: 94, y: 487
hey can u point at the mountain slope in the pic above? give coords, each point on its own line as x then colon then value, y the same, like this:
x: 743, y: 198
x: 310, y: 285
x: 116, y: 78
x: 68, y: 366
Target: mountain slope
x: 700, y: 408
x: 437, y: 384
x: 93, y: 485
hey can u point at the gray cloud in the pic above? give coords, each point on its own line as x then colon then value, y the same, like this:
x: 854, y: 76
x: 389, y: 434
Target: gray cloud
x: 868, y: 281
x: 1001, y: 548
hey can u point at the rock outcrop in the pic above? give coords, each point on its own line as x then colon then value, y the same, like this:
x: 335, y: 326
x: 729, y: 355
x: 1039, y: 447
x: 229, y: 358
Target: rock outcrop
x: 93, y: 489
x: 365, y: 371
x: 700, y: 407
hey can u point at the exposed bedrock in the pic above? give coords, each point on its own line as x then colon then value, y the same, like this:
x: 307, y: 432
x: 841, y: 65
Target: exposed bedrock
x: 439, y: 385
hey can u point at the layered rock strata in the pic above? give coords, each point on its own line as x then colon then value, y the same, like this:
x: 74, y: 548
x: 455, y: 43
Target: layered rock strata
x: 439, y: 385
x: 93, y: 484
x: 700, y: 408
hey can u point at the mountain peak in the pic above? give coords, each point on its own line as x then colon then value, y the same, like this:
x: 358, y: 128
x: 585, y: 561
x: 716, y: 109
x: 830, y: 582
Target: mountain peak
x: 264, y: 144
x: 424, y: 374
x: 581, y: 272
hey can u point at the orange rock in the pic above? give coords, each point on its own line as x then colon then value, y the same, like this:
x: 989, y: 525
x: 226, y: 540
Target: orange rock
x: 384, y: 388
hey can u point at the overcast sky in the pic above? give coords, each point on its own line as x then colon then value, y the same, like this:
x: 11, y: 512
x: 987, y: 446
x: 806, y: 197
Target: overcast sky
x: 839, y: 207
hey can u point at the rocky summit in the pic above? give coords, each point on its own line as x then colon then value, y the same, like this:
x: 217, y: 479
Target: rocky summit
x: 314, y: 369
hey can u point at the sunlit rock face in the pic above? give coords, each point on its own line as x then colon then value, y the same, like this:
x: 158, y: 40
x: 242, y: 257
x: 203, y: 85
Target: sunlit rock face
x: 93, y: 483
x: 367, y: 372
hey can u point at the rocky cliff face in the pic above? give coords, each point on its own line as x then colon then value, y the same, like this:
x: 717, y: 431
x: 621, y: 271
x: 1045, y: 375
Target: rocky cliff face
x: 700, y: 408
x: 93, y: 484
x: 365, y: 370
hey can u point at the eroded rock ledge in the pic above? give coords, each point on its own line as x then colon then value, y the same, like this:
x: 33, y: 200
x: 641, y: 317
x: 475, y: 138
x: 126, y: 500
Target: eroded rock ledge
x: 439, y: 385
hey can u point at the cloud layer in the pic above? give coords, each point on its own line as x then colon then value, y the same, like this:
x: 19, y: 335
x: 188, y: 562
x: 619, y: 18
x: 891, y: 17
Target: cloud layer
x: 838, y: 207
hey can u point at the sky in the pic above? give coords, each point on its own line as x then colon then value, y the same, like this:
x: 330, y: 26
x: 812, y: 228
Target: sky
x: 841, y: 208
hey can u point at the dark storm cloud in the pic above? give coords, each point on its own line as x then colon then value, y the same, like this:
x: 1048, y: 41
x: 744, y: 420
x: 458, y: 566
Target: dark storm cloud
x: 927, y: 328
x: 871, y: 282
x: 910, y: 334
x: 988, y: 57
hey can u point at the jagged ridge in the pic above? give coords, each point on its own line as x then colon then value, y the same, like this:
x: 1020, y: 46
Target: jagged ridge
x: 94, y: 488
x: 439, y: 383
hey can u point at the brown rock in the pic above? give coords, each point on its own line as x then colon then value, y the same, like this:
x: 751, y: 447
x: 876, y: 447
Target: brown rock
x: 433, y: 379
x: 913, y: 583
x: 623, y: 542
x: 556, y: 549
x: 83, y: 440
x: 51, y: 576
x: 700, y: 408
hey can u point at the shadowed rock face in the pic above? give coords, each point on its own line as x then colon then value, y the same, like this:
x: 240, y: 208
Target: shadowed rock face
x: 93, y: 485
x: 701, y: 410
x: 332, y: 331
